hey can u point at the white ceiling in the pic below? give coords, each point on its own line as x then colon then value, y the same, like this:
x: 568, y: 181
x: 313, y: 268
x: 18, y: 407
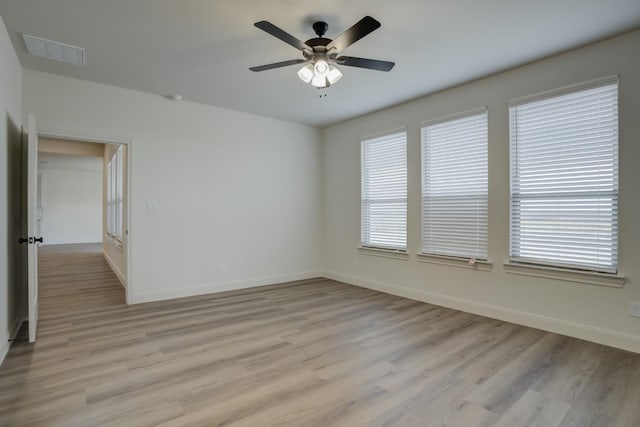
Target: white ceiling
x: 202, y: 49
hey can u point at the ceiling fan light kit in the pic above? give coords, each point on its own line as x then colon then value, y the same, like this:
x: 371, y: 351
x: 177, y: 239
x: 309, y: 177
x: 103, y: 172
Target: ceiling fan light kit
x: 319, y: 74
x: 320, y: 54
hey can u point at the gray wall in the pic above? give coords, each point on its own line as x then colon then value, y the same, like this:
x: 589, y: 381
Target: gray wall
x: 593, y: 312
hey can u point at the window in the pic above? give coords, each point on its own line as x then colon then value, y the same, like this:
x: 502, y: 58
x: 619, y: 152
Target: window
x: 564, y: 178
x: 454, y: 186
x: 384, y: 191
x: 115, y: 191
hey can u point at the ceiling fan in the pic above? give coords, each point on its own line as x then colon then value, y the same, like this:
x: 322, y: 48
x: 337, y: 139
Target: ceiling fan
x: 320, y: 53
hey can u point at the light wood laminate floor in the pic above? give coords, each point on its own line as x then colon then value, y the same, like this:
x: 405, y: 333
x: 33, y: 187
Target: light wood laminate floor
x: 74, y: 277
x: 310, y: 353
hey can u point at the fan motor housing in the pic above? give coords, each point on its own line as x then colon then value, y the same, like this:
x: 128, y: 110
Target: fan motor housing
x: 318, y: 41
x: 320, y: 28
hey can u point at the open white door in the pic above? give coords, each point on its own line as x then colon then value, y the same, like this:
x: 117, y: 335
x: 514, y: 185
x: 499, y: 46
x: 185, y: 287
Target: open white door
x: 32, y: 224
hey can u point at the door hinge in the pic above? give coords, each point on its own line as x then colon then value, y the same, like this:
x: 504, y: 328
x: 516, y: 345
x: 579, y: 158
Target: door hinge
x: 30, y: 240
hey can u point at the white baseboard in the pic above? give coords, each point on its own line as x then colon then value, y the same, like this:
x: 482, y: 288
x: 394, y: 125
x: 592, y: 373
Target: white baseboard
x: 116, y: 270
x: 210, y: 288
x: 564, y: 327
x: 5, y: 344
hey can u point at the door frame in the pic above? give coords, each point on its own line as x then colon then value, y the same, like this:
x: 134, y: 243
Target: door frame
x: 75, y: 137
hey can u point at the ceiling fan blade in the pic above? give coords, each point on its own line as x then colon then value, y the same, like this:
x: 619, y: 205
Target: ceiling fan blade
x: 282, y: 35
x: 278, y: 64
x: 372, y: 64
x: 360, y: 29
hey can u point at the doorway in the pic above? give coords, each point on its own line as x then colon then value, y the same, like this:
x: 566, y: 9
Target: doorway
x: 82, y: 215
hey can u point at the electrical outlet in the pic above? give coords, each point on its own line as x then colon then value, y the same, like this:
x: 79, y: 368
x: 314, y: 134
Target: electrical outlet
x: 634, y: 309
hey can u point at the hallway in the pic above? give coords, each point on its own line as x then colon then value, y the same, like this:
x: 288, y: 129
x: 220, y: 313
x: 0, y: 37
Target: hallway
x: 76, y: 277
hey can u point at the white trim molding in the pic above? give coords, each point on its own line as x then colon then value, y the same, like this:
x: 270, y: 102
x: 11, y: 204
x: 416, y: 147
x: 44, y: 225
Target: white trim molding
x: 379, y: 134
x: 383, y: 252
x: 572, y: 88
x: 5, y: 343
x: 128, y: 235
x: 210, y: 288
x: 586, y: 332
x: 114, y: 241
x: 454, y: 116
x: 579, y: 276
x: 116, y: 270
x: 470, y: 263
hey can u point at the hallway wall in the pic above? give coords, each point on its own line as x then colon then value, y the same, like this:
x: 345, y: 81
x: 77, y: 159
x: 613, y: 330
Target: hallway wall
x: 71, y: 199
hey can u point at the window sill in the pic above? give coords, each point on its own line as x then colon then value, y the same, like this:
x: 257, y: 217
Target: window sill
x: 116, y: 243
x: 479, y: 265
x: 589, y: 277
x: 384, y: 253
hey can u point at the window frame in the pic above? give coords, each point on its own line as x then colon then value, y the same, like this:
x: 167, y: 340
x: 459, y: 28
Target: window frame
x: 560, y: 270
x: 115, y: 196
x: 366, y: 247
x: 460, y: 260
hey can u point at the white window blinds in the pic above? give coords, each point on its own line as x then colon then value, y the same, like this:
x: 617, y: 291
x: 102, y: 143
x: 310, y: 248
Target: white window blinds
x: 384, y: 191
x: 115, y: 191
x: 564, y: 178
x: 119, y: 193
x: 111, y: 185
x: 454, y: 186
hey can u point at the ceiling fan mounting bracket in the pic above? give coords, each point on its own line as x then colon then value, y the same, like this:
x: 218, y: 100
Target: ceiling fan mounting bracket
x: 320, y: 28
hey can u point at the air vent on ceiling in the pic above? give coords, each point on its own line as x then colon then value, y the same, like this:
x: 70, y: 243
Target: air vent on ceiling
x: 54, y: 50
